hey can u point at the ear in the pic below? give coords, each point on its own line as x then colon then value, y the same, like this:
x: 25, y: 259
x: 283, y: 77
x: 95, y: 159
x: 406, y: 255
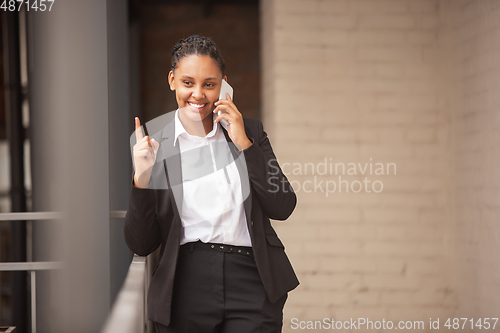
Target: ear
x: 171, y: 80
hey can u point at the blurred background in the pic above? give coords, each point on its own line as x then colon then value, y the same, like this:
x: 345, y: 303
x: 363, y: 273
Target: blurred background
x: 393, y: 102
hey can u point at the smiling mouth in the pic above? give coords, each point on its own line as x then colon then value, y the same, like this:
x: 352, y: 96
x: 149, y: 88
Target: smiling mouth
x: 197, y: 106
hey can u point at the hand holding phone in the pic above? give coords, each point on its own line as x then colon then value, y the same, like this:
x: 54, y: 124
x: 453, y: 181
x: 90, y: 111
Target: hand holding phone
x: 225, y: 88
x: 237, y: 129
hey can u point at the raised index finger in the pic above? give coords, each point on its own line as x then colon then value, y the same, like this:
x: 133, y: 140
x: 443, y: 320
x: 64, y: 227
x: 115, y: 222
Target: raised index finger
x: 138, y: 130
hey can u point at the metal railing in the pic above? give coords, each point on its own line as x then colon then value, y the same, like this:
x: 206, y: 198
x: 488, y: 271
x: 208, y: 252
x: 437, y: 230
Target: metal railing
x: 129, y: 312
x: 31, y: 267
x: 31, y: 216
x: 131, y: 299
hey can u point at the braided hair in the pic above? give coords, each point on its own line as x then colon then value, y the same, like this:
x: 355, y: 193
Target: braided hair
x: 198, y: 45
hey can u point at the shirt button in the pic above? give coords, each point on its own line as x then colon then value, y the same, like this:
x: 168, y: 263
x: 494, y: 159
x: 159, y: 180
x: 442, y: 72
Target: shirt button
x: 251, y: 223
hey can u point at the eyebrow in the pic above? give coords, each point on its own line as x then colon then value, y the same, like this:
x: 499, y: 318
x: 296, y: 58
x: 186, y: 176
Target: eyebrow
x: 189, y: 77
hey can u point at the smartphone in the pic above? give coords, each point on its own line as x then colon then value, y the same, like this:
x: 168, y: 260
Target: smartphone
x: 225, y: 88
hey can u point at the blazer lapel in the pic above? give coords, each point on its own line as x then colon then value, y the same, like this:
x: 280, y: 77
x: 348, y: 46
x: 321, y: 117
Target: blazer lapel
x: 172, y: 163
x: 239, y: 158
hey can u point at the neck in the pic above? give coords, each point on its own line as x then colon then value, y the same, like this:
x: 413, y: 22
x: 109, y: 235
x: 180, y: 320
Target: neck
x: 194, y: 128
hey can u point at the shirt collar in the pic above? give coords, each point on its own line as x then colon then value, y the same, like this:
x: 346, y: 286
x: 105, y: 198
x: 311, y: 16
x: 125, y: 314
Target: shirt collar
x: 180, y: 130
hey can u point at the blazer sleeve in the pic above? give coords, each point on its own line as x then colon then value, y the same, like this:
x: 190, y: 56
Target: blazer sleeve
x: 142, y: 231
x: 269, y: 184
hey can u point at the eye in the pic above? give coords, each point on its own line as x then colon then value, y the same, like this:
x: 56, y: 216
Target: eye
x: 210, y: 85
x: 187, y: 83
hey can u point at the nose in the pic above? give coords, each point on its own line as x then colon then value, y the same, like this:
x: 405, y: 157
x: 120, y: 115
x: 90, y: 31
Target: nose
x: 197, y: 93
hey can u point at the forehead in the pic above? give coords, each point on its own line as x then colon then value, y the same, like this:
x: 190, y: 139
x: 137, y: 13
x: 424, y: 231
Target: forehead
x: 198, y: 66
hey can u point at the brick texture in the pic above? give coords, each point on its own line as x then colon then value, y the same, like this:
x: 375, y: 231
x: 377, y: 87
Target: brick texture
x: 409, y: 82
x: 471, y: 40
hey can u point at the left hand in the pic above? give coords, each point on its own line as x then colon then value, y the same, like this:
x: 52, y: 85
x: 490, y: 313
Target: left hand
x: 235, y: 128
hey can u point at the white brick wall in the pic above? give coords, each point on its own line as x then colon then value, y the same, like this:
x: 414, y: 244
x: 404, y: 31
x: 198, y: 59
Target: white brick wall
x: 352, y: 81
x: 471, y: 39
x: 410, y: 82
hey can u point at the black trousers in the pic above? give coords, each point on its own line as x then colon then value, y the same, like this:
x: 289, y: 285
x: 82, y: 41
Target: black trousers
x: 220, y: 292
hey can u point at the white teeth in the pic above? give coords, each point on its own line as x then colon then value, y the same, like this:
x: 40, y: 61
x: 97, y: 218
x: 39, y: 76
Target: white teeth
x: 197, y: 105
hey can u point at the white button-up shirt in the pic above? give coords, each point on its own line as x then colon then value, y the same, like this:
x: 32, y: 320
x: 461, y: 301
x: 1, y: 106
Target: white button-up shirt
x: 212, y: 206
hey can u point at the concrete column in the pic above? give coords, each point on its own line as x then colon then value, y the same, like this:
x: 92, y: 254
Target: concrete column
x: 68, y: 71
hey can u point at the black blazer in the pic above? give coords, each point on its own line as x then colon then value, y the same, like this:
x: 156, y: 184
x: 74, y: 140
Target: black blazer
x: 153, y: 218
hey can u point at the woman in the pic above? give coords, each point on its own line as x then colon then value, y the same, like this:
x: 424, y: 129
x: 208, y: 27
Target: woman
x: 205, y: 193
